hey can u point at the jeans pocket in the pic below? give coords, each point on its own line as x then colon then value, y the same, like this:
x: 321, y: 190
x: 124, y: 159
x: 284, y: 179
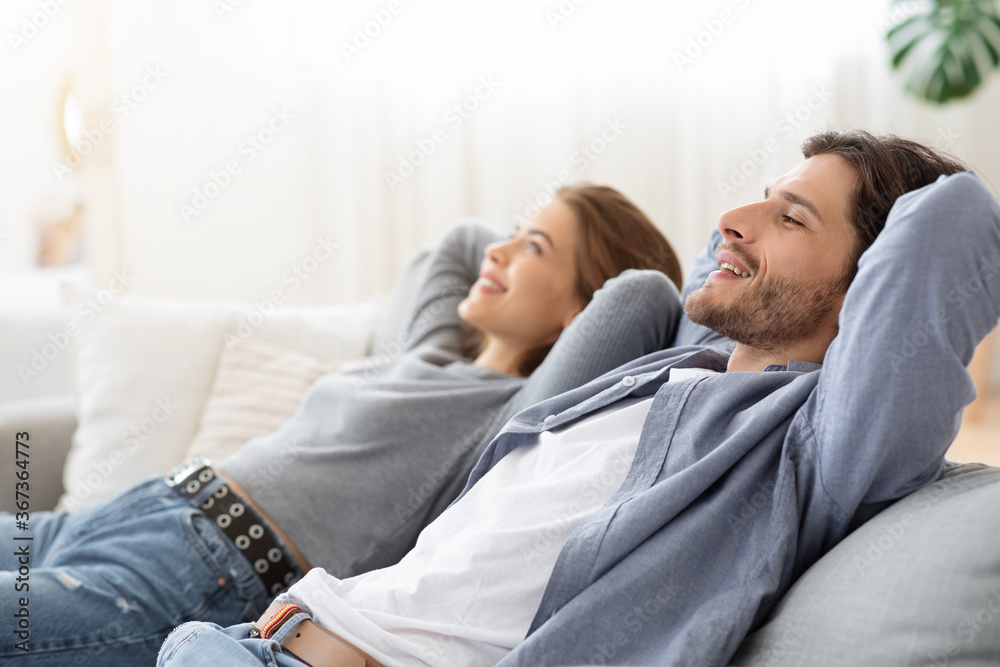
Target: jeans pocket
x: 227, y: 565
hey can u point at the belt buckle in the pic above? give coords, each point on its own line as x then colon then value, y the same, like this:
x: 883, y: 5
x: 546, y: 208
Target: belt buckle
x: 182, y: 471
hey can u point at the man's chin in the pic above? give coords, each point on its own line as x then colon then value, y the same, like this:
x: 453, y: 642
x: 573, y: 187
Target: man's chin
x: 697, y: 306
x: 702, y: 309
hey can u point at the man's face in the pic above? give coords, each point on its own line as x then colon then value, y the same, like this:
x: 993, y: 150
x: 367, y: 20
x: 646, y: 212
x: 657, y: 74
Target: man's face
x: 783, y: 264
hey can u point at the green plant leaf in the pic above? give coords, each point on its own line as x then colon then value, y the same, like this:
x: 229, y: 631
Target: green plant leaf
x: 948, y: 49
x: 907, y: 35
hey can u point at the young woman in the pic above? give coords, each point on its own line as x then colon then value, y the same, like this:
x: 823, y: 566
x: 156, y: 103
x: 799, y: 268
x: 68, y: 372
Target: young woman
x: 369, y: 459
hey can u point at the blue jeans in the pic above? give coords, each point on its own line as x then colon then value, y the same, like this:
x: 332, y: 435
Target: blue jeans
x: 106, y: 584
x: 208, y: 645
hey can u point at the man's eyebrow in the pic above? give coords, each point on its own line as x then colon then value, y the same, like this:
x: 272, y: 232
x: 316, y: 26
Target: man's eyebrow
x: 793, y: 198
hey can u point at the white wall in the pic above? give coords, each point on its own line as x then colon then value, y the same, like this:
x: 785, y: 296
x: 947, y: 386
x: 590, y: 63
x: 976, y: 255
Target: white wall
x: 686, y: 127
x: 32, y: 76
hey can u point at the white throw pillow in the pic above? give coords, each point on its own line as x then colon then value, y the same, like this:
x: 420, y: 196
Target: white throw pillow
x: 257, y: 388
x: 144, y: 367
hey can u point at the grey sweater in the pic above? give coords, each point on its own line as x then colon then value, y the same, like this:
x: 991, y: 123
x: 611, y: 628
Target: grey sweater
x: 372, y: 456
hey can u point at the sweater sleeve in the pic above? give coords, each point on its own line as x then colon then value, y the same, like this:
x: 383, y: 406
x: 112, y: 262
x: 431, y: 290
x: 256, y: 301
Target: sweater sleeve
x: 689, y: 333
x: 893, y: 385
x: 451, y: 270
x: 632, y: 315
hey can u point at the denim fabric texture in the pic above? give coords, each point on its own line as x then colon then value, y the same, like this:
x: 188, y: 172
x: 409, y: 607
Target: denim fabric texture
x: 208, y: 645
x: 109, y: 582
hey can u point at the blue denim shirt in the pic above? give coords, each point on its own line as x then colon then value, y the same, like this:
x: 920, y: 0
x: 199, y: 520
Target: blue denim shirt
x: 742, y: 480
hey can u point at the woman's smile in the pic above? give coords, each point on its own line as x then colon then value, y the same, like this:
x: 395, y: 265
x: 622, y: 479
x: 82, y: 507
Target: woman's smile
x: 489, y: 284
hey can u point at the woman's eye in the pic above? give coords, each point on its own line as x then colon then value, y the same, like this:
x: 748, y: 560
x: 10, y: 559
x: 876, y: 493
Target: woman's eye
x: 534, y: 247
x: 791, y: 220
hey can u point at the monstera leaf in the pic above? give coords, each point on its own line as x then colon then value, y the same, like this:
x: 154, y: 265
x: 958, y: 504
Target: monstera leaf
x: 947, y: 46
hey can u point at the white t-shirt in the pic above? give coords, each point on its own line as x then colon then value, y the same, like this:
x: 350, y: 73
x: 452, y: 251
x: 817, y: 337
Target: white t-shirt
x: 466, y: 593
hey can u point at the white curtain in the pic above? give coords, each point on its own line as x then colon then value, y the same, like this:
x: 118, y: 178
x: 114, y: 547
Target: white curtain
x: 245, y: 135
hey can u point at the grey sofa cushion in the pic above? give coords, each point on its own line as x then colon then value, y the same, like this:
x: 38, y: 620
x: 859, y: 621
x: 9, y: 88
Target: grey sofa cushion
x: 50, y: 422
x: 917, y: 585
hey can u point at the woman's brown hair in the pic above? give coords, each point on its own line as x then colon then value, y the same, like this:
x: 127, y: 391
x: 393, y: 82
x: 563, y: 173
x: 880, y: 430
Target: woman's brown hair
x: 614, y: 235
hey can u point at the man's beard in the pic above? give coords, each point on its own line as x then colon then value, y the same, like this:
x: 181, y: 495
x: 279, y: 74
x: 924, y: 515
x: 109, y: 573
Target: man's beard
x: 768, y: 316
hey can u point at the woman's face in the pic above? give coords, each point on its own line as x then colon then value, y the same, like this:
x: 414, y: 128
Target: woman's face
x: 526, y: 293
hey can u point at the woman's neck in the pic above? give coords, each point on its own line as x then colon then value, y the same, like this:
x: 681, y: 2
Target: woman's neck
x: 500, y: 357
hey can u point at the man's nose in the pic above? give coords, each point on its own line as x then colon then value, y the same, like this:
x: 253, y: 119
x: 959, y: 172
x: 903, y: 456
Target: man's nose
x: 739, y: 224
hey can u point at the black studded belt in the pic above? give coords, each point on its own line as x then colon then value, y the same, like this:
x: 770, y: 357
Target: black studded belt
x: 239, y: 522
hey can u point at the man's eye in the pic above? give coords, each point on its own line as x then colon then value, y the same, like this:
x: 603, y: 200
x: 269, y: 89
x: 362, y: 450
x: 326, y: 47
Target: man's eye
x: 791, y: 220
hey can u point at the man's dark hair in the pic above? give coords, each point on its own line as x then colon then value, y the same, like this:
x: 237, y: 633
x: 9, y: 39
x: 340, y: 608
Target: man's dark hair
x: 887, y: 167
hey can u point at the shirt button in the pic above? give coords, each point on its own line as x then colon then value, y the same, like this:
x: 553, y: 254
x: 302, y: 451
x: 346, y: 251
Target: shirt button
x: 628, y: 380
x: 550, y: 418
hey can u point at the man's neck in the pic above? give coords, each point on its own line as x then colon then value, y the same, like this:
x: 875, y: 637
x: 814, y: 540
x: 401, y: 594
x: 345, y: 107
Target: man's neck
x: 746, y: 358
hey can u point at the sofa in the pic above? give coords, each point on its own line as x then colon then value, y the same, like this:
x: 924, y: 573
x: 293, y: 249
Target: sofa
x: 155, y: 380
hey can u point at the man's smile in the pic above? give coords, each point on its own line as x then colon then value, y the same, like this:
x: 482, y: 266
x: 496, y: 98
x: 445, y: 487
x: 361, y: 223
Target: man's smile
x: 731, y: 266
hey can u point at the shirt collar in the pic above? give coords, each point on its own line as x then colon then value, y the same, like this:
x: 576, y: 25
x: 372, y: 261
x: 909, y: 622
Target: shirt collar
x: 797, y: 366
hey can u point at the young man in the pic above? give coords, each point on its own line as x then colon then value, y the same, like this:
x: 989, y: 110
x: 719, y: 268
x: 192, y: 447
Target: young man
x: 609, y: 524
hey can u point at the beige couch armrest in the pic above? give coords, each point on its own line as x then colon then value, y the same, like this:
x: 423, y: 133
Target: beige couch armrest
x: 50, y: 422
